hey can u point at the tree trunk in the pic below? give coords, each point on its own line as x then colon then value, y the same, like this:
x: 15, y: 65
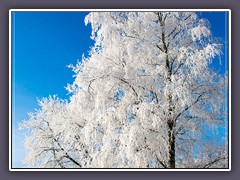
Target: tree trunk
x: 171, y: 146
x: 170, y: 121
x: 171, y: 135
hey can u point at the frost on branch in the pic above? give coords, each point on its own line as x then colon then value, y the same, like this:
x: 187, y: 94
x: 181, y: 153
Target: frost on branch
x: 146, y: 97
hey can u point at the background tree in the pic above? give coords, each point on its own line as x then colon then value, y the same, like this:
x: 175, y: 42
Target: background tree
x: 145, y: 97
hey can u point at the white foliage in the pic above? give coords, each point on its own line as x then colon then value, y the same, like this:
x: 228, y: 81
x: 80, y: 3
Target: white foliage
x: 159, y: 61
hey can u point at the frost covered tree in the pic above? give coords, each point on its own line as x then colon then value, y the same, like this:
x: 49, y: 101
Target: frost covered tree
x: 145, y: 97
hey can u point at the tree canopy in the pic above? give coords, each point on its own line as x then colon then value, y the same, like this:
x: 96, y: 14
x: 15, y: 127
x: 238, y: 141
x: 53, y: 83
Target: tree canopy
x: 145, y: 97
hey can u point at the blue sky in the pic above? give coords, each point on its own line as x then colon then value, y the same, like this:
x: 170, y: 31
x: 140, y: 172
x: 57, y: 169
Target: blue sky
x: 43, y: 44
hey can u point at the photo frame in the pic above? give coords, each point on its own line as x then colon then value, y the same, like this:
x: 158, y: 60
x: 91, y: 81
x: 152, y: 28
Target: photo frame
x: 229, y: 30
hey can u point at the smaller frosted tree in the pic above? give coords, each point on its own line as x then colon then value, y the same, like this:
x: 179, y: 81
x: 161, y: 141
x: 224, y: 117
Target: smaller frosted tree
x: 53, y: 136
x: 146, y: 97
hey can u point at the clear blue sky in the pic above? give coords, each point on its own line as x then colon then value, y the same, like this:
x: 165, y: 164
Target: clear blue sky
x: 43, y: 44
